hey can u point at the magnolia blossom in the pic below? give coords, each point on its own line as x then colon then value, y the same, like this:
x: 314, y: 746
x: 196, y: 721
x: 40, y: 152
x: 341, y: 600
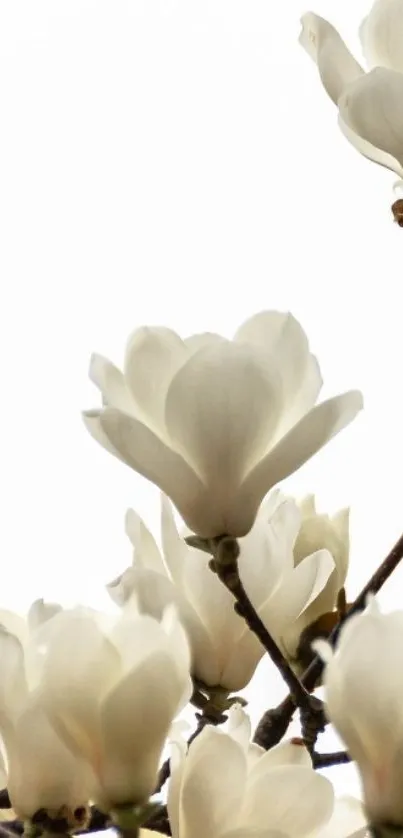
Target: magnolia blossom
x: 369, y: 103
x: 318, y: 531
x: 225, y: 653
x: 287, y: 590
x: 287, y: 587
x: 363, y: 690
x: 225, y: 787
x: 216, y: 423
x: 42, y: 773
x: 112, y: 690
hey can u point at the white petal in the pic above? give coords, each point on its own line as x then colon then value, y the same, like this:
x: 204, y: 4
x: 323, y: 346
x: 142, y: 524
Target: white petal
x: 347, y: 817
x: 292, y: 799
x: 283, y: 343
x: 146, y: 454
x: 13, y: 687
x: 176, y: 551
x: 371, y: 108
x: 337, y: 67
x: 146, y: 553
x: 212, y: 785
x: 43, y: 772
x: 381, y: 35
x: 73, y: 692
x: 241, y: 662
x: 239, y: 726
x: 110, y: 381
x: 41, y: 611
x: 92, y: 421
x: 177, y: 765
x: 153, y: 356
x: 135, y: 720
x: 368, y: 150
x: 281, y: 612
x: 307, y: 437
x: 222, y: 409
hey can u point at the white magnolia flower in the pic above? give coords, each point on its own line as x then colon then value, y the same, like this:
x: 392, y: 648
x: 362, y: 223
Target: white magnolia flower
x: 320, y: 531
x: 42, y: 771
x: 363, y: 690
x: 369, y: 103
x: 287, y: 593
x: 287, y: 590
x: 216, y: 423
x: 113, y: 688
x: 224, y: 787
x: 225, y: 653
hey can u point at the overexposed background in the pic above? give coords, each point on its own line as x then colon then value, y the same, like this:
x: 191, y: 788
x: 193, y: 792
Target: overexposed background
x: 177, y: 162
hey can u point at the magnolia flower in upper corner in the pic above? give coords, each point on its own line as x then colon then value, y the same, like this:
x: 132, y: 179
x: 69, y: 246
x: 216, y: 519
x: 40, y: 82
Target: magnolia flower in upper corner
x: 370, y: 104
x: 216, y: 423
x: 112, y: 689
x: 42, y: 772
x: 224, y: 786
x: 363, y: 691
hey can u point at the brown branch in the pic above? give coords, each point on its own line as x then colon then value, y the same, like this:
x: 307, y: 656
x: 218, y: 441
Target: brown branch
x: 327, y: 760
x: 274, y: 722
x: 225, y: 565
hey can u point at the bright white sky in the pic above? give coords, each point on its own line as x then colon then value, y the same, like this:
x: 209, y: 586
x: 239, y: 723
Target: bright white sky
x: 177, y: 162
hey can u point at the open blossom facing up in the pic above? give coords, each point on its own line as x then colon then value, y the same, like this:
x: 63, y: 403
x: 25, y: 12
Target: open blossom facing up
x: 363, y: 690
x: 112, y: 690
x: 369, y: 103
x: 216, y: 423
x: 42, y: 771
x: 224, y: 786
x: 225, y: 653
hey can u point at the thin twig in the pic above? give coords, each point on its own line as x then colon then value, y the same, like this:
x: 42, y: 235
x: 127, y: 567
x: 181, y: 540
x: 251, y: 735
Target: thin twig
x: 225, y: 565
x: 274, y: 722
x: 327, y: 760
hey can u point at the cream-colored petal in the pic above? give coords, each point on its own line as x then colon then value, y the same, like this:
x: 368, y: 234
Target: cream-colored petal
x: 284, y: 345
x: 241, y: 662
x: 212, y: 786
x: 13, y: 687
x: 40, y: 612
x: 135, y: 719
x: 73, y: 692
x: 347, y: 817
x: 368, y: 150
x: 175, y: 549
x: 221, y: 412
x: 43, y: 773
x: 381, y: 34
x: 307, y: 437
x: 177, y: 765
x: 337, y: 66
x: 140, y: 449
x: 146, y: 550
x: 153, y: 356
x: 92, y: 421
x: 292, y: 799
x: 111, y: 382
x: 371, y: 109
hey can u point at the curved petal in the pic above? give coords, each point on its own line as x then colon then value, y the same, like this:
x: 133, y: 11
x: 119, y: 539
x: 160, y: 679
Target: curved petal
x: 297, y: 592
x: 371, y: 109
x: 40, y: 612
x: 177, y: 766
x: 111, y: 382
x: 222, y: 409
x: 13, y: 687
x: 146, y: 551
x: 284, y: 345
x: 337, y: 67
x: 140, y: 449
x: 347, y: 817
x: 212, y: 786
x: 175, y: 549
x: 135, y: 719
x: 307, y: 437
x: 287, y: 753
x: 43, y: 773
x: 242, y: 660
x: 153, y: 356
x: 367, y: 150
x: 292, y: 799
x: 381, y: 35
x: 92, y: 421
